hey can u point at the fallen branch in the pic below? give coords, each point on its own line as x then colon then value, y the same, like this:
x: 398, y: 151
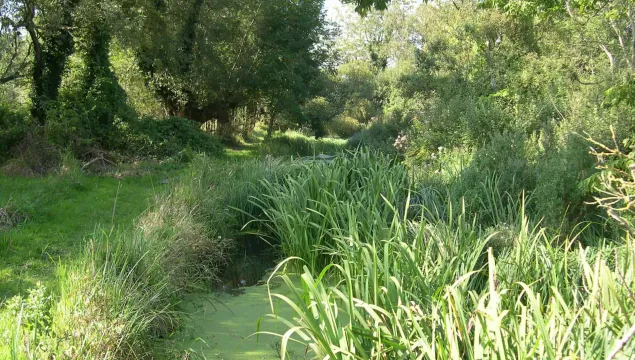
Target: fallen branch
x: 95, y: 160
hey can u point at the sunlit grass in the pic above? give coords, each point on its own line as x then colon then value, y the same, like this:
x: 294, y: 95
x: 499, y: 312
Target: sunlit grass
x: 61, y: 211
x: 294, y: 143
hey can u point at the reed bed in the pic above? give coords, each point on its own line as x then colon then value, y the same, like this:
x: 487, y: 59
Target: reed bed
x: 393, y: 269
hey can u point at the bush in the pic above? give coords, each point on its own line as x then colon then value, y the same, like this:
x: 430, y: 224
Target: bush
x: 33, y: 155
x: 380, y: 135
x: 343, y: 127
x: 167, y: 137
x: 317, y: 111
x: 86, y: 115
x: 13, y: 128
x: 458, y: 118
x: 554, y: 174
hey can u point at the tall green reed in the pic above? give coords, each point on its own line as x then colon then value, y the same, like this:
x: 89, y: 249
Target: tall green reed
x: 396, y: 299
x: 430, y: 280
x: 304, y: 210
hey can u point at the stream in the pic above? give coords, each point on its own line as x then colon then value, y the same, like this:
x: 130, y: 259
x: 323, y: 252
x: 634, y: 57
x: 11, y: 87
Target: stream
x: 220, y: 325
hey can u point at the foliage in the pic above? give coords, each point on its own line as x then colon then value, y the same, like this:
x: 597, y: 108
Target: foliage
x: 167, y: 137
x: 379, y: 135
x: 506, y: 81
x: 318, y: 113
x: 120, y: 294
x: 343, y: 127
x: 353, y: 188
x: 111, y: 304
x: 297, y: 144
x: 186, y: 59
x: 615, y: 181
x: 12, y: 129
x: 355, y: 90
x: 423, y: 278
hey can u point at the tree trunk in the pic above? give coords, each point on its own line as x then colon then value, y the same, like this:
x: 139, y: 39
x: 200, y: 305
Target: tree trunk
x: 189, y: 36
x: 223, y: 118
x: 51, y: 50
x: 272, y: 120
x: 37, y: 109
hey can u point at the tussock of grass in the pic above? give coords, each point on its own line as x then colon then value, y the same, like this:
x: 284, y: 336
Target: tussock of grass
x: 110, y: 304
x: 10, y: 217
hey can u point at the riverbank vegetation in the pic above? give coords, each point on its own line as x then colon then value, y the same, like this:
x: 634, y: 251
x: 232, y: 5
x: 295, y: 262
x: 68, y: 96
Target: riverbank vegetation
x: 447, y: 180
x: 421, y: 269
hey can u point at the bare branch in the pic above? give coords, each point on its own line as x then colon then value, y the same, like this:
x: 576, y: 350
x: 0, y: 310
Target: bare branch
x: 10, y: 78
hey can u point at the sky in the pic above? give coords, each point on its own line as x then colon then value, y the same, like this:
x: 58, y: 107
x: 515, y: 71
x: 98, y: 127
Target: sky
x: 331, y: 7
x: 334, y: 8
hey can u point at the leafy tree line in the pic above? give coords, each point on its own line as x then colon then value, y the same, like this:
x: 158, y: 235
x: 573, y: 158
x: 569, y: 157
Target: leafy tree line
x: 204, y: 61
x: 513, y: 87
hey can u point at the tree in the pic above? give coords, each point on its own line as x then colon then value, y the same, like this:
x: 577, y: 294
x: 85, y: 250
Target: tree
x: 289, y: 59
x: 14, y: 49
x: 363, y: 6
x: 355, y: 91
x: 199, y: 61
x: 206, y: 60
x: 48, y: 24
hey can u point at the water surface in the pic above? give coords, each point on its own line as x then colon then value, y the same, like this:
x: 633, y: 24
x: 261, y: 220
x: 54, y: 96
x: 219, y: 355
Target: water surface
x: 221, y: 325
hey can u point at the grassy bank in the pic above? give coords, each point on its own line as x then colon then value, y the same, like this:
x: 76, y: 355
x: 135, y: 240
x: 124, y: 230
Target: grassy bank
x: 406, y: 262
x: 95, y: 266
x: 58, y: 256
x: 56, y: 213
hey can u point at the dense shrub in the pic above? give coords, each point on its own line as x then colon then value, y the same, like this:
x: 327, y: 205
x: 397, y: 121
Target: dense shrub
x: 343, y: 127
x: 318, y: 111
x: 87, y: 112
x: 166, y: 137
x: 556, y: 174
x: 379, y: 135
x: 34, y: 155
x: 13, y: 128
